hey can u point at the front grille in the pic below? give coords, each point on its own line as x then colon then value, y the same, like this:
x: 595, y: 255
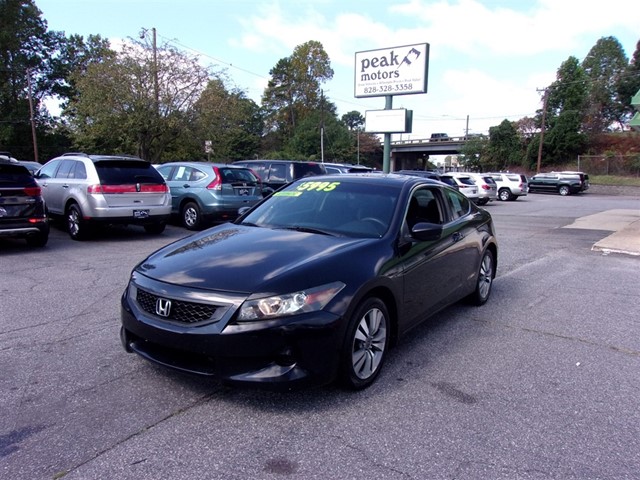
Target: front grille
x: 180, y: 311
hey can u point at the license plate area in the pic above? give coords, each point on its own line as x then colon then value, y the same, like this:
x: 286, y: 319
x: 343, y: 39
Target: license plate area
x: 141, y: 214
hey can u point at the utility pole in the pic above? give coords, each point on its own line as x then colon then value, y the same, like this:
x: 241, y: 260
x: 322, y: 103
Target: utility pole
x: 544, y: 119
x: 154, y: 46
x: 322, y: 125
x: 155, y: 71
x: 33, y: 124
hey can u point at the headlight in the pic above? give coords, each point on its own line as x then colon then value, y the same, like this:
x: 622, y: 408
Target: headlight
x: 309, y: 300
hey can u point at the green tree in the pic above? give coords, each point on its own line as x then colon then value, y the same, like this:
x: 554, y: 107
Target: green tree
x: 229, y: 120
x: 118, y: 108
x: 25, y: 50
x: 629, y: 84
x: 566, y: 108
x: 474, y: 154
x: 294, y: 89
x: 353, y: 120
x: 605, y: 66
x: 504, y: 146
x: 74, y: 56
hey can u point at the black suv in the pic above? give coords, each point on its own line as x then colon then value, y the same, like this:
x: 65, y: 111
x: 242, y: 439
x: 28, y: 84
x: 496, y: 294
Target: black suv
x: 276, y: 173
x: 562, y: 183
x: 22, y: 210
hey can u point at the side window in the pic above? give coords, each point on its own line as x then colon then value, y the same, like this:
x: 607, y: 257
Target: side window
x: 196, y: 175
x: 49, y: 170
x: 182, y: 174
x: 66, y: 169
x: 278, y: 173
x: 458, y: 203
x: 79, y: 171
x: 424, y: 207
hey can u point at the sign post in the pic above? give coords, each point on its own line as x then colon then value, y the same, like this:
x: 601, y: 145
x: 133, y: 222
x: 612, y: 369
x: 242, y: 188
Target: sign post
x: 387, y: 72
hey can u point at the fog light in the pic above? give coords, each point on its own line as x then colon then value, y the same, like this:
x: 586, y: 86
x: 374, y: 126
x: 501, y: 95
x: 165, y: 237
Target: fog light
x: 285, y: 358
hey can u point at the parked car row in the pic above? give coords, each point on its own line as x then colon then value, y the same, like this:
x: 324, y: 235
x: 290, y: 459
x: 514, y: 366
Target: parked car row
x: 89, y: 190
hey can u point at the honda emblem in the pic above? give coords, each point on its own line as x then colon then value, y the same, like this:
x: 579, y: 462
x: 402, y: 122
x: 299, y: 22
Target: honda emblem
x: 163, y: 307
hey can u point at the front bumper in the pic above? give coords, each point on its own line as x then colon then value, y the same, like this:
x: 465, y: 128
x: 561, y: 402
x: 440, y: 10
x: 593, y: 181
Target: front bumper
x: 289, y: 352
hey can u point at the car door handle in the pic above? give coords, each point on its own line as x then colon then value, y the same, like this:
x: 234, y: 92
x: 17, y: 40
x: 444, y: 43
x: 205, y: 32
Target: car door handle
x: 186, y: 185
x: 457, y: 236
x: 65, y: 186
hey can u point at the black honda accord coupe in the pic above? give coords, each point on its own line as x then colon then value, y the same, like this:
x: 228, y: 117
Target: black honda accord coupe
x: 313, y: 284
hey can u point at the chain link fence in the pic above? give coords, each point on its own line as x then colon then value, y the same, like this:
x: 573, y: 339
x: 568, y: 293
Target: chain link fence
x: 622, y: 165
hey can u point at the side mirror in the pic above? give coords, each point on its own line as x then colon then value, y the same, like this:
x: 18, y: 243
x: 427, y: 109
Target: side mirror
x: 426, y: 232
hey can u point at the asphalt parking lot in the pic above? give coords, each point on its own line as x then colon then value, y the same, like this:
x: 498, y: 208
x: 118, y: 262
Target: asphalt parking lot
x: 540, y: 383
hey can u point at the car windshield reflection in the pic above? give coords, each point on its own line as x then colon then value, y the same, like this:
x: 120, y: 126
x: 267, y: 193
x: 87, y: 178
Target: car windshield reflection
x: 333, y: 208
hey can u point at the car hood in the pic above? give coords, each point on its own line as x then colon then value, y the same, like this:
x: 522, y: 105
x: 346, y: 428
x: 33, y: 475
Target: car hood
x: 245, y: 259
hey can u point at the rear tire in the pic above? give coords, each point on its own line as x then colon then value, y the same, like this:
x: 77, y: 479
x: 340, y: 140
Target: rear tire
x: 191, y: 216
x: 366, y: 344
x: 77, y: 227
x: 504, y: 194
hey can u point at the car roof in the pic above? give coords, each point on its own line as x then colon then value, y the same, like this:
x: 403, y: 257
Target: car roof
x: 201, y: 164
x: 258, y: 160
x: 374, y: 179
x: 103, y: 158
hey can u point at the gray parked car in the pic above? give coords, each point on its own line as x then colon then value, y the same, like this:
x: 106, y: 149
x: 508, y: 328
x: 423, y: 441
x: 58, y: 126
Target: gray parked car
x: 88, y: 190
x: 202, y: 192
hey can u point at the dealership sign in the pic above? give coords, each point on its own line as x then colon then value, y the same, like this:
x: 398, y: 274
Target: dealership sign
x: 392, y: 71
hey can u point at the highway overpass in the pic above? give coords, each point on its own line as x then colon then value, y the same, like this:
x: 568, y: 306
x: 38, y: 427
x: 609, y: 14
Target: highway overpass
x: 413, y: 153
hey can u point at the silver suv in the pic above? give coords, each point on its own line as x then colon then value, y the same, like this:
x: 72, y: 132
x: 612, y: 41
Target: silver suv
x: 463, y: 182
x: 510, y: 185
x: 104, y: 189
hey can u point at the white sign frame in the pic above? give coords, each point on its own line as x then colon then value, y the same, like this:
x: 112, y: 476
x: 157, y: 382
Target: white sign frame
x: 399, y: 70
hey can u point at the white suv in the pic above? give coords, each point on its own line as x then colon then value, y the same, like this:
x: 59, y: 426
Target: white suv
x: 106, y: 189
x: 510, y: 185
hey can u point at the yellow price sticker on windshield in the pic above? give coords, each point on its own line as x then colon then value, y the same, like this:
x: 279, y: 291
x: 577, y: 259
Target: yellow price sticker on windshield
x: 318, y: 186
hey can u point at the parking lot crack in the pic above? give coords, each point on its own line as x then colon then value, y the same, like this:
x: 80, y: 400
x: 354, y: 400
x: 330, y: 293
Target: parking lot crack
x: 198, y: 402
x: 615, y: 348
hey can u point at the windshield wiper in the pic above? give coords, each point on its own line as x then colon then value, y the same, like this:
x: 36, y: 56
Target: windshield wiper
x: 299, y: 228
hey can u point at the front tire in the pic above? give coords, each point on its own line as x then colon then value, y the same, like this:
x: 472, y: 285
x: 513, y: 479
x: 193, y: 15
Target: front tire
x: 365, y: 345
x: 564, y: 190
x: 484, y: 281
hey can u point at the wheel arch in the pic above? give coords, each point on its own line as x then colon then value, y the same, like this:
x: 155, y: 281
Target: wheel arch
x: 385, y: 294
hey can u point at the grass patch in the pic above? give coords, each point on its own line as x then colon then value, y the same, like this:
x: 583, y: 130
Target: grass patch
x: 614, y: 180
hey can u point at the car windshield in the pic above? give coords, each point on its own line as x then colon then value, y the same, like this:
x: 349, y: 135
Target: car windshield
x: 340, y: 208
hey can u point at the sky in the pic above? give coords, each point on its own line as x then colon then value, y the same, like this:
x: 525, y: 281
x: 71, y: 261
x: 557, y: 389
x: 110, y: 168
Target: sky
x: 488, y: 59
